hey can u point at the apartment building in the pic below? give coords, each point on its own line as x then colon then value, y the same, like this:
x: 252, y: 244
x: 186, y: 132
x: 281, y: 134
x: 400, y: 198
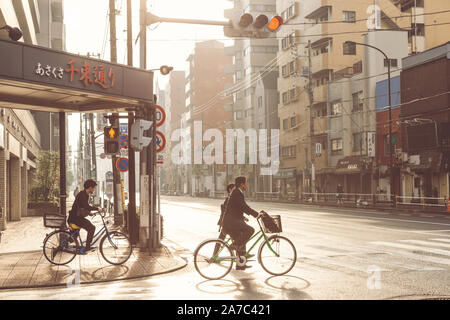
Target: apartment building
x: 205, y: 102
x: 314, y: 47
x: 174, y: 107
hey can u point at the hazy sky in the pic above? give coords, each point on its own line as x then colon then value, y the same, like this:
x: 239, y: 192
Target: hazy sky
x: 87, y: 30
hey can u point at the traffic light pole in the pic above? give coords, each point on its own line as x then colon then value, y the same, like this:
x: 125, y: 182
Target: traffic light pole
x: 133, y: 229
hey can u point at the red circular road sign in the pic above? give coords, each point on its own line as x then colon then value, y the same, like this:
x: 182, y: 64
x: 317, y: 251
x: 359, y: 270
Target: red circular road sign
x: 160, y: 141
x: 160, y: 116
x: 122, y: 164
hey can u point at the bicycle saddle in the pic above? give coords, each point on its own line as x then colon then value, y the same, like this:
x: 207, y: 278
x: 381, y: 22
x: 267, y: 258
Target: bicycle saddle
x: 74, y: 226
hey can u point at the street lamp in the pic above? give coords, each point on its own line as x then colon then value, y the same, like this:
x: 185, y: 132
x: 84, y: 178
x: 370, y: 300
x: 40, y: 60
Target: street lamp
x: 14, y: 33
x: 390, y: 107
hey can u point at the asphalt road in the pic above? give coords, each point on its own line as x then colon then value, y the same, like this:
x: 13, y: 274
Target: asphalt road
x: 342, y: 254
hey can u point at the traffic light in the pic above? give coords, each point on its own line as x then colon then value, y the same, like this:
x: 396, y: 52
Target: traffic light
x: 111, y: 140
x: 253, y: 26
x: 137, y: 139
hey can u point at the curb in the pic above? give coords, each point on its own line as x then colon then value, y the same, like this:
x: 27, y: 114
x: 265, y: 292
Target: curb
x: 176, y: 257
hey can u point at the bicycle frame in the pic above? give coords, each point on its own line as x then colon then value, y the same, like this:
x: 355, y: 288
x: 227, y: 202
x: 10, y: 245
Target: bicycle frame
x: 261, y: 234
x: 97, y: 236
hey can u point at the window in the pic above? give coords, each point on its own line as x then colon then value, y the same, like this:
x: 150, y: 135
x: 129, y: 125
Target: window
x: 57, y: 12
x: 285, y: 97
x: 246, y: 51
x: 238, y: 115
x: 357, y: 101
x: 336, y: 108
x: 284, y: 43
x: 285, y: 124
x: 293, y: 122
x: 292, y: 94
x: 284, y: 72
x: 386, y: 143
x: 393, y: 63
x: 288, y: 151
x: 291, y: 39
x: 336, y: 144
x: 357, y: 141
x: 260, y: 125
x: 349, y: 16
x: 349, y: 48
x: 291, y: 67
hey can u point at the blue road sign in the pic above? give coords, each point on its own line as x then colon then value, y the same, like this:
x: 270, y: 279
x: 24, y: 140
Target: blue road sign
x: 123, y: 140
x: 122, y: 164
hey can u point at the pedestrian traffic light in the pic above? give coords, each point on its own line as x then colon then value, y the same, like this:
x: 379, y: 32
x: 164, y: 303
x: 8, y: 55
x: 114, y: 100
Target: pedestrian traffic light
x: 252, y: 26
x: 111, y: 134
x: 137, y: 139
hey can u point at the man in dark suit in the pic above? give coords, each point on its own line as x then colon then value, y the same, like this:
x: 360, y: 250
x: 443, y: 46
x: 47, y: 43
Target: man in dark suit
x: 233, y: 221
x: 82, y: 202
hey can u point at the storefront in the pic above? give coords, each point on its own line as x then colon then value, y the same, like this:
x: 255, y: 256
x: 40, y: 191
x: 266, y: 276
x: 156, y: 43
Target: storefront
x: 350, y: 171
x: 287, y: 183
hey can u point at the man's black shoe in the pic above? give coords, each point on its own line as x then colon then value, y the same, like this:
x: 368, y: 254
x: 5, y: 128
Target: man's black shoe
x: 242, y: 267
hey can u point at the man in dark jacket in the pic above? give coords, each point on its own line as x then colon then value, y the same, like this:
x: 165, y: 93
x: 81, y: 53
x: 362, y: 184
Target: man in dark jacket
x: 82, y: 202
x: 223, y: 207
x: 234, y: 223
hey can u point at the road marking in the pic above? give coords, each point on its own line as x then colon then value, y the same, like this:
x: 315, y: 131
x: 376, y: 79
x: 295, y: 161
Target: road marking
x: 418, y: 248
x: 346, y: 264
x: 416, y: 256
x: 441, y: 239
x: 427, y: 243
x: 387, y: 260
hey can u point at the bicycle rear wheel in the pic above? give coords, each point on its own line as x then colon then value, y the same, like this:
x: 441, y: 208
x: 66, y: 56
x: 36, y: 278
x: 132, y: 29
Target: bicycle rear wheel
x: 60, y: 247
x: 277, y: 255
x: 116, y: 249
x: 213, y: 259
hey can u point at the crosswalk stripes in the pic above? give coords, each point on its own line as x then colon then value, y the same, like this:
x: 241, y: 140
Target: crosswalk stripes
x: 410, y: 254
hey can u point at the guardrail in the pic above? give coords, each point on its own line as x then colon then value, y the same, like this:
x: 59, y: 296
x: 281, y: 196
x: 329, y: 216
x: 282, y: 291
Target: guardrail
x: 377, y: 200
x: 267, y: 196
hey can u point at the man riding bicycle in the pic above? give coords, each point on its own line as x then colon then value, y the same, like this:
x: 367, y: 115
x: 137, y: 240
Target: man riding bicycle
x: 233, y: 221
x: 81, y: 209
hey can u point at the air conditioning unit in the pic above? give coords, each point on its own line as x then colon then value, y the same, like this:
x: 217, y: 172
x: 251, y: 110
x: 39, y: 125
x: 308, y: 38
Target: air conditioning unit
x: 405, y: 157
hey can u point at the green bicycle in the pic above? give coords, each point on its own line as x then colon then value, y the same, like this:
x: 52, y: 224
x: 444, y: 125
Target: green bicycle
x: 213, y: 258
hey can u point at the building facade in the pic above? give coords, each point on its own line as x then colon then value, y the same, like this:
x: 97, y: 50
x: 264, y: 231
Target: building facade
x: 205, y: 103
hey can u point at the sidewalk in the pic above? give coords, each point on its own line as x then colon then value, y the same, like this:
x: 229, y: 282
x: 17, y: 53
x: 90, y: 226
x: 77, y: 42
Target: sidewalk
x: 23, y: 265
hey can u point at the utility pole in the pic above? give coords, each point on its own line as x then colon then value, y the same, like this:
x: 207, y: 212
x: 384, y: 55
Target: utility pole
x: 132, y: 226
x: 94, y: 155
x: 311, y: 119
x: 80, y: 152
x: 115, y: 116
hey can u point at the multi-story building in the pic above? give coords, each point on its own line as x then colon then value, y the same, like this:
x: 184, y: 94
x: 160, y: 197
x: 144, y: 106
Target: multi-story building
x: 253, y: 59
x: 425, y: 120
x: 358, y: 116
x: 315, y: 48
x: 174, y: 108
x: 20, y: 138
x: 205, y: 101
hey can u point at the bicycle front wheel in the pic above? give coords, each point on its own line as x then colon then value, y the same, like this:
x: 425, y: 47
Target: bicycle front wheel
x: 213, y: 259
x: 116, y: 248
x: 277, y: 255
x: 60, y: 247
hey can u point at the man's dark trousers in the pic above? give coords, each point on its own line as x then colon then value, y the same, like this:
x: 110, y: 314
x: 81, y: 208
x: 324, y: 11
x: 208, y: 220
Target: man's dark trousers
x: 86, y: 225
x: 240, y: 232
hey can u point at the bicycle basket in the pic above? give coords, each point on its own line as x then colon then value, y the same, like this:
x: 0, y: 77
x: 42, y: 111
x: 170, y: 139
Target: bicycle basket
x: 272, y: 223
x: 52, y: 220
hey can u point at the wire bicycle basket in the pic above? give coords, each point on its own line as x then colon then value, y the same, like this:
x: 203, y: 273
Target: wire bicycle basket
x: 271, y: 223
x: 52, y: 220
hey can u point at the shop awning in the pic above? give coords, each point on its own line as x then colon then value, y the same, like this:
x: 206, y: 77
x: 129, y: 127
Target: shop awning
x: 38, y: 78
x: 428, y: 160
x: 319, y: 12
x: 321, y: 42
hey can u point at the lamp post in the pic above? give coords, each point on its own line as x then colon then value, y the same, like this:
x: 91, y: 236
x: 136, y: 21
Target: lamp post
x: 390, y: 107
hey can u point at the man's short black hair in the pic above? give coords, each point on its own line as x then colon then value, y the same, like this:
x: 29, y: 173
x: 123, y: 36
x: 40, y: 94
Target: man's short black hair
x: 230, y: 186
x: 89, y: 183
x: 239, y: 180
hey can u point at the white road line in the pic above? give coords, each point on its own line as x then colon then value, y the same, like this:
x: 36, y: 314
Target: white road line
x: 346, y: 264
x: 416, y: 256
x: 441, y: 239
x: 388, y: 260
x: 418, y: 248
x: 427, y: 243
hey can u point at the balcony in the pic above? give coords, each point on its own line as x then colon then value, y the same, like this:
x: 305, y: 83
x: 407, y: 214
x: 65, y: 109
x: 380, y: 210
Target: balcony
x: 320, y: 93
x: 320, y: 125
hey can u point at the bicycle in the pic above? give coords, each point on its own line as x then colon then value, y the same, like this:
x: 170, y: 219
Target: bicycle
x: 61, y: 246
x: 213, y: 258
